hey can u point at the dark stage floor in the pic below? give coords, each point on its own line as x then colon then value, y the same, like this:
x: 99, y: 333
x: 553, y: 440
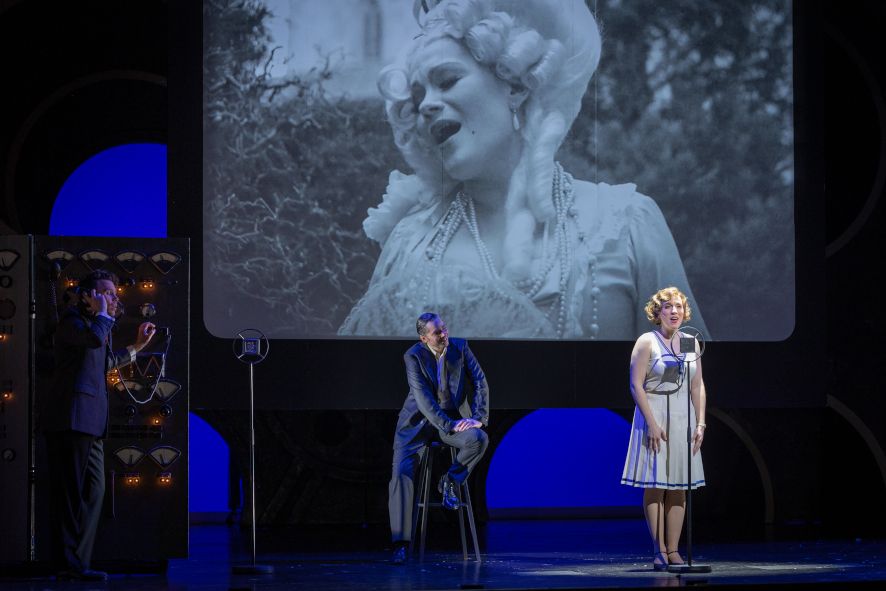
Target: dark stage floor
x: 579, y: 554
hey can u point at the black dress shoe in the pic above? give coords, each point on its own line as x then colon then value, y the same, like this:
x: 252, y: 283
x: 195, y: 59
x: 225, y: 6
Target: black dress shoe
x: 450, y: 496
x: 82, y: 575
x: 400, y: 554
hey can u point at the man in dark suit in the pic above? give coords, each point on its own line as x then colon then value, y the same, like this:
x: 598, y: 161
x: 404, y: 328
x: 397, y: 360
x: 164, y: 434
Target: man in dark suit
x: 74, y: 419
x: 448, y: 400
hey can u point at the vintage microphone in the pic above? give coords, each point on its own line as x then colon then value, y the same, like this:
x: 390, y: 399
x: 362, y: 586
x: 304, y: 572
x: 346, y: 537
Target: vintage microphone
x: 692, y: 345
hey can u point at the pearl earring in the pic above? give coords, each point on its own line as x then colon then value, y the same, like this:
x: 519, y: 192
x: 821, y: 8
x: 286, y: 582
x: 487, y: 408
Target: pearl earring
x: 515, y: 120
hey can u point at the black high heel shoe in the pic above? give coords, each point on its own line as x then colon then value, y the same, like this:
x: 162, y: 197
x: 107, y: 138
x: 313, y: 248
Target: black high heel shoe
x: 660, y: 561
x: 672, y: 552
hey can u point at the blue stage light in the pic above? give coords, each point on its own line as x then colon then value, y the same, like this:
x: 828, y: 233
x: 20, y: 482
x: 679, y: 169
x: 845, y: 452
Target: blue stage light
x: 118, y: 192
x: 562, y: 460
x: 208, y: 473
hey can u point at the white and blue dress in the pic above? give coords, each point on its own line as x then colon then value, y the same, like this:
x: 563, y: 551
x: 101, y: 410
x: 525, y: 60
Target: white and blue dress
x: 667, y: 382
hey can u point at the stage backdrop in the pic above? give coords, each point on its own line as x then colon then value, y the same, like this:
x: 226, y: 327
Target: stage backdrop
x: 680, y: 158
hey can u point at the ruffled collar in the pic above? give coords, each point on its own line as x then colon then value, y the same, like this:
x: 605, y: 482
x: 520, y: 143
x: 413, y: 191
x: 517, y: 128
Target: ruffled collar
x: 405, y: 193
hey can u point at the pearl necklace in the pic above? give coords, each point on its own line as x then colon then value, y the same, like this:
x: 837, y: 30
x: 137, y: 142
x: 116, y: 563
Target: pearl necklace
x: 462, y: 210
x: 564, y: 198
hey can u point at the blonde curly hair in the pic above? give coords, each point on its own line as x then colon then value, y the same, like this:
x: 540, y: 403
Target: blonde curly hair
x: 659, y: 298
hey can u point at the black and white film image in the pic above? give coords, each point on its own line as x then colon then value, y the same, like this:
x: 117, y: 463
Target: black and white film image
x: 528, y: 169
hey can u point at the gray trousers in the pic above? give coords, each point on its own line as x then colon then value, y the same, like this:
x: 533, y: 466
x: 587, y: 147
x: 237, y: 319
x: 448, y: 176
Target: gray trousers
x: 470, y: 446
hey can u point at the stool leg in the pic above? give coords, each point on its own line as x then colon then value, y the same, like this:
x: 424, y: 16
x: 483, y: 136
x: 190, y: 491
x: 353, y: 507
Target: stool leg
x: 417, y: 507
x: 473, y: 525
x: 429, y: 467
x: 461, y: 527
x: 461, y: 516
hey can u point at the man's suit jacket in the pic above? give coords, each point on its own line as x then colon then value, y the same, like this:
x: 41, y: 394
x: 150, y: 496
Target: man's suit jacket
x: 466, y: 384
x: 78, y: 398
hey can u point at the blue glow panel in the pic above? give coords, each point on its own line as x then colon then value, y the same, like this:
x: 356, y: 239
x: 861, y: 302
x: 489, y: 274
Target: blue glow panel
x: 208, y: 478
x: 118, y: 192
x: 562, y: 458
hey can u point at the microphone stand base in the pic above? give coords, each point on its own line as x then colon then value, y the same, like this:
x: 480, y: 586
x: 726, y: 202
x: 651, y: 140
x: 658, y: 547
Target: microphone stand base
x: 252, y: 569
x: 682, y: 569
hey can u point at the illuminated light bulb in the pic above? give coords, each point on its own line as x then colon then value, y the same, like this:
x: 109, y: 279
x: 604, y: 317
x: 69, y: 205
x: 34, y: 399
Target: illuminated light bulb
x: 131, y: 479
x: 156, y: 421
x: 164, y: 478
x: 7, y: 395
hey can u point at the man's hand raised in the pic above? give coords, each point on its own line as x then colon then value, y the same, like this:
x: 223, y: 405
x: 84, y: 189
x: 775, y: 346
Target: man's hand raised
x: 146, y: 330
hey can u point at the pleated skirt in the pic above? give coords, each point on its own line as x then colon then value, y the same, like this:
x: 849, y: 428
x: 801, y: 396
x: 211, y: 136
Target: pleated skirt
x: 670, y: 467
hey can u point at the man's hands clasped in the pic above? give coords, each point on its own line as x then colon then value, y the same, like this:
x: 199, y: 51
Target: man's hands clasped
x: 465, y: 424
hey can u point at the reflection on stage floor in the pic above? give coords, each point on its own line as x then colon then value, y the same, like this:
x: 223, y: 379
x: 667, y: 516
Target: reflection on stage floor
x: 537, y: 554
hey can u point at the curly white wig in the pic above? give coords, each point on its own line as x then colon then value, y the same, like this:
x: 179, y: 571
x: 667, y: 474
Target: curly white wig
x: 550, y: 48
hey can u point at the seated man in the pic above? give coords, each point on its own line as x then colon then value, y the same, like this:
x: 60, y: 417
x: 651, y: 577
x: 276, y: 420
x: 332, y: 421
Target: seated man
x: 448, y: 400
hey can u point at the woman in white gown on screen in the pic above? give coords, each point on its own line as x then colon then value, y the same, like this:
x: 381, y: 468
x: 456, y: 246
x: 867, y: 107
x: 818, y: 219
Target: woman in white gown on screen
x: 490, y: 231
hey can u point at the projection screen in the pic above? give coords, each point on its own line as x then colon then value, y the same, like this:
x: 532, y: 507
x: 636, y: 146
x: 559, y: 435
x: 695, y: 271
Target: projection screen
x: 529, y: 169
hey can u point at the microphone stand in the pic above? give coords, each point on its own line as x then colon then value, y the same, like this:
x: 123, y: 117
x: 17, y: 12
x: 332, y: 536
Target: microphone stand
x: 253, y: 349
x: 688, y: 567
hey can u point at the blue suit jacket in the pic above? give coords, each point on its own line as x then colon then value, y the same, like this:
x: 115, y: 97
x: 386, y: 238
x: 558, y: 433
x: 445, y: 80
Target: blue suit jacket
x: 78, y: 398
x: 466, y: 382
